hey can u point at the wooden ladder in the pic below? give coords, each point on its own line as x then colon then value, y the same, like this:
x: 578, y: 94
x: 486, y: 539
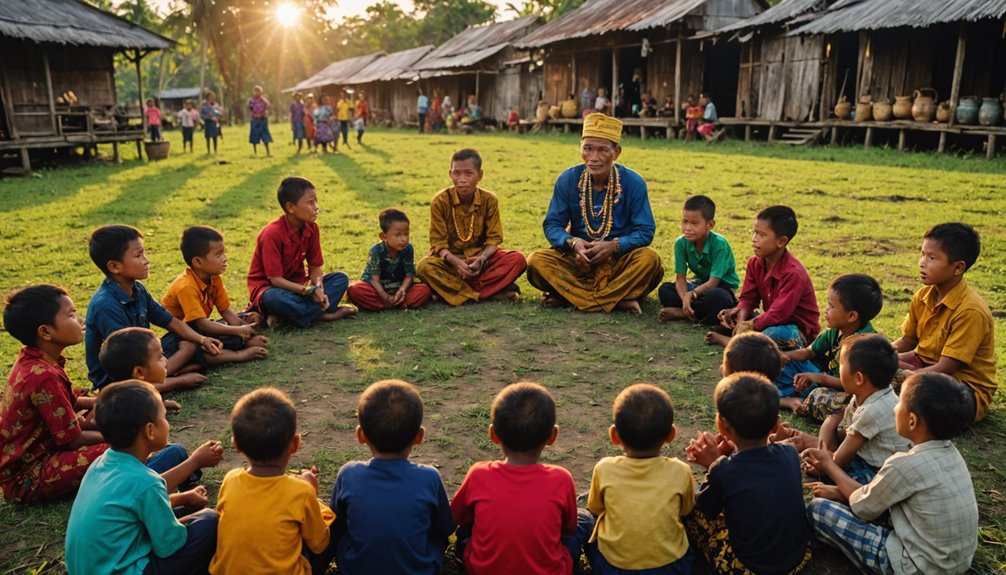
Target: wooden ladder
x: 802, y: 136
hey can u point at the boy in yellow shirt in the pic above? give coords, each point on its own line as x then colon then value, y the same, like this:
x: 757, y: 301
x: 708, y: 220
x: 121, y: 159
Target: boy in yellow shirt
x: 268, y: 516
x: 343, y: 108
x: 639, y: 498
x: 949, y: 327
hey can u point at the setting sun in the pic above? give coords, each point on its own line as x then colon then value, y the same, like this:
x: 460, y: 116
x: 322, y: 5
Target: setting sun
x: 287, y: 14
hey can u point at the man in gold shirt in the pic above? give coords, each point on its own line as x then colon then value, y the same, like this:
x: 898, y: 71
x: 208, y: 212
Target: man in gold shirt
x: 465, y: 262
x: 600, y: 226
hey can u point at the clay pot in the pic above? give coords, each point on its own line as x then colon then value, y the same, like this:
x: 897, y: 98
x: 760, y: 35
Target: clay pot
x: 882, y: 111
x: 843, y: 109
x: 991, y: 112
x: 903, y: 107
x: 864, y: 110
x: 541, y: 114
x: 569, y: 109
x: 554, y: 112
x: 924, y: 107
x: 943, y: 112
x: 967, y: 111
x: 157, y: 150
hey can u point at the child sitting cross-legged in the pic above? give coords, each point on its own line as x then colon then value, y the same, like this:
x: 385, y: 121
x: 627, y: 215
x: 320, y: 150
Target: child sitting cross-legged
x: 271, y: 521
x: 122, y: 519
x: 927, y: 491
x: 749, y: 513
x: 853, y: 300
x: 393, y: 514
x: 639, y: 498
x: 196, y: 291
x: 388, y: 279
x: 868, y: 365
x: 752, y: 351
x: 519, y: 515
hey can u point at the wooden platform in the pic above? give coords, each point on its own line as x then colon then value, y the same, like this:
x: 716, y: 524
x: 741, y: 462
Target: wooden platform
x: 665, y: 124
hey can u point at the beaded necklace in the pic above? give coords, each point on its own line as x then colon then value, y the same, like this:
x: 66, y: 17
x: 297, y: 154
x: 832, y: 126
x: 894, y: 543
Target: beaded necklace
x: 612, y: 192
x: 465, y: 233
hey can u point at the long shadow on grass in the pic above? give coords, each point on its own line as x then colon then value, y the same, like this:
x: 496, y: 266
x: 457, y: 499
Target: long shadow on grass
x: 257, y: 190
x: 55, y: 185
x: 138, y: 198
x: 370, y: 188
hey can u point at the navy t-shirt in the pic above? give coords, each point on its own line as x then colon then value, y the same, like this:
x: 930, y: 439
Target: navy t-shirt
x: 392, y: 516
x: 760, y: 493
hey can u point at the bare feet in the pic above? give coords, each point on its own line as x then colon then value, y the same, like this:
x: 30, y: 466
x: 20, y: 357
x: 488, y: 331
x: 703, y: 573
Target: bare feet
x: 717, y: 339
x: 790, y: 403
x: 189, y: 368
x: 250, y: 353
x: 185, y: 380
x: 505, y: 295
x: 629, y: 305
x: 342, y: 312
x: 550, y: 301
x: 257, y: 341
x: 671, y: 314
x: 273, y: 321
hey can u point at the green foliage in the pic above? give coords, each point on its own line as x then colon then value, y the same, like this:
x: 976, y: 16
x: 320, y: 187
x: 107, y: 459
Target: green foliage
x: 548, y: 9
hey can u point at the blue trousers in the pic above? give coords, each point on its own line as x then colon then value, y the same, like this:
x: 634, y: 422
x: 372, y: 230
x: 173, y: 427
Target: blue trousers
x: 600, y: 566
x: 789, y: 338
x: 194, y: 557
x: 300, y: 310
x: 171, y: 456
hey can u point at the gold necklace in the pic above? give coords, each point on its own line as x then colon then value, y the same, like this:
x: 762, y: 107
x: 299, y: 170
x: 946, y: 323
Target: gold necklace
x: 611, y: 195
x: 464, y: 236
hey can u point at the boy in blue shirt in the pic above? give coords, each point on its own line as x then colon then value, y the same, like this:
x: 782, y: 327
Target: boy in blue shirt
x: 122, y: 520
x: 709, y: 257
x: 392, y: 515
x: 123, y: 301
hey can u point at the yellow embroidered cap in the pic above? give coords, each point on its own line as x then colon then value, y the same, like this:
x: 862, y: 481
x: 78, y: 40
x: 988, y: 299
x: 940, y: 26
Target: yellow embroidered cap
x: 600, y: 126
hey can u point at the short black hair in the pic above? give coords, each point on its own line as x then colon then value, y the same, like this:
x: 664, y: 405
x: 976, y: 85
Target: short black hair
x: 873, y: 356
x: 124, y: 350
x: 939, y: 400
x: 749, y: 402
x: 123, y: 409
x: 782, y: 220
x: 960, y: 241
x: 753, y: 351
x: 30, y: 308
x: 390, y: 413
x: 523, y: 415
x: 859, y: 293
x: 109, y: 244
x: 292, y: 189
x: 468, y: 154
x: 264, y: 423
x: 390, y: 216
x: 196, y: 242
x: 702, y: 204
x: 643, y: 415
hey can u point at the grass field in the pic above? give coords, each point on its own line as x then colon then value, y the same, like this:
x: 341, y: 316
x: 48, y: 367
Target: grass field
x: 859, y: 212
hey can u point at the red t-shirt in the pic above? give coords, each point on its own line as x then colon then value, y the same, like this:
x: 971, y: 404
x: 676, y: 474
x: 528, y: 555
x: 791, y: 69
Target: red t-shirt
x: 519, y: 515
x: 786, y: 292
x: 282, y: 251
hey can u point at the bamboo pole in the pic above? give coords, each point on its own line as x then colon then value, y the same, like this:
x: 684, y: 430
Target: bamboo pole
x: 955, y: 87
x: 677, y: 80
x: 56, y: 128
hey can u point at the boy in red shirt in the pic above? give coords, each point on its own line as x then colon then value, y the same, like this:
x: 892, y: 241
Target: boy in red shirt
x: 153, y: 114
x: 777, y: 281
x: 518, y: 515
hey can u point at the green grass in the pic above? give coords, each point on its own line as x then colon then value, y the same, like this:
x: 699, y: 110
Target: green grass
x: 859, y: 212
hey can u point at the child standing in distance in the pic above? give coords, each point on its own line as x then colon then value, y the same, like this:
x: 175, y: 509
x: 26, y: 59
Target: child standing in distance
x: 392, y: 514
x: 749, y: 512
x: 639, y: 498
x: 519, y: 515
x: 210, y: 114
x: 47, y: 448
x: 153, y: 114
x: 693, y: 113
x: 309, y: 131
x: 196, y: 291
x: 267, y: 515
x: 862, y: 435
x: 709, y: 257
x: 853, y: 301
x: 949, y: 327
x: 323, y: 126
x: 343, y: 116
x: 361, y: 116
x: 927, y: 491
x: 123, y: 301
x: 122, y: 519
x: 278, y: 285
x: 297, y: 120
x: 779, y: 282
x: 387, y: 280
x: 188, y: 119
x: 258, y: 111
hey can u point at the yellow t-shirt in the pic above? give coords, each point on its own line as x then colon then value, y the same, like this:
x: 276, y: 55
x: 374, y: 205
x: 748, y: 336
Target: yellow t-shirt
x: 342, y: 108
x: 264, y: 523
x: 188, y: 298
x: 959, y: 327
x: 639, y: 504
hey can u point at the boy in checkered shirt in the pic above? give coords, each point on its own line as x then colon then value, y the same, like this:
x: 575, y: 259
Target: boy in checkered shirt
x: 928, y: 491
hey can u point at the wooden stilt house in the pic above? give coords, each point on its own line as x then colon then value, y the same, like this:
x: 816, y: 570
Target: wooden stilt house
x: 388, y: 85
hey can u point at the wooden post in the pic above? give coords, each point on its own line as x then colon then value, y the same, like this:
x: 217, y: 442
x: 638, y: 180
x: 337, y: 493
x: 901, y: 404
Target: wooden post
x: 139, y: 89
x: 57, y: 127
x: 869, y: 138
x: 990, y: 152
x: 476, y: 86
x: 747, y: 132
x: 750, y: 113
x: 25, y: 160
x: 677, y: 80
x: 574, y: 87
x: 8, y: 109
x: 901, y: 140
x: 771, y: 133
x: 115, y: 152
x: 614, y: 80
x: 955, y: 87
x: 943, y: 143
x: 642, y: 132
x: 834, y: 135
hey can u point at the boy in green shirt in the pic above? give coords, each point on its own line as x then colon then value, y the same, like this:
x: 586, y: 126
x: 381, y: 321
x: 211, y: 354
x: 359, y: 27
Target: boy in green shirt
x: 709, y: 257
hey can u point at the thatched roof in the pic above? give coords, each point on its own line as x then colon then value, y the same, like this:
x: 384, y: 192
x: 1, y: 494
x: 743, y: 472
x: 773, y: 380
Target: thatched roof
x: 855, y: 15
x: 476, y: 44
x: 74, y: 23
x: 784, y: 12
x: 391, y: 67
x: 337, y: 73
x: 595, y: 18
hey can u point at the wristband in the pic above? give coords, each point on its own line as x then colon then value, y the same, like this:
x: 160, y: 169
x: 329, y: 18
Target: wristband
x: 309, y: 289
